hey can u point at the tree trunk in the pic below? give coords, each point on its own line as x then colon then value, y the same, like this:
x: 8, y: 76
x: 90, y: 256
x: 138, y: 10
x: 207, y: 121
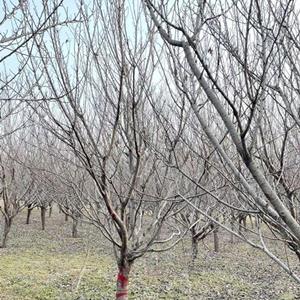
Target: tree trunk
x: 74, y: 227
x: 251, y: 221
x: 6, y: 229
x: 216, y: 238
x: 245, y: 222
x: 66, y: 216
x: 232, y: 228
x: 122, y: 282
x: 194, y: 249
x: 43, y: 217
x: 240, y: 220
x: 29, y: 210
x: 50, y: 211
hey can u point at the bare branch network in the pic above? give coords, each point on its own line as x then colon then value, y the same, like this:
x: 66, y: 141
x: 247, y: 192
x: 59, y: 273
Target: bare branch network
x: 154, y: 121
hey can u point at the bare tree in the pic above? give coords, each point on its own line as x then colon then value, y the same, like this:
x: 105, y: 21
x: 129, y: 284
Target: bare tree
x: 237, y: 52
x: 17, y: 183
x: 95, y: 91
x: 20, y: 22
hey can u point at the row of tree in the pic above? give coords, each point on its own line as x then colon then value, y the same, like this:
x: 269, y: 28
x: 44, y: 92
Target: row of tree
x: 154, y: 119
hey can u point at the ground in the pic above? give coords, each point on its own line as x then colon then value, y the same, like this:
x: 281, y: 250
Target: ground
x: 51, y: 265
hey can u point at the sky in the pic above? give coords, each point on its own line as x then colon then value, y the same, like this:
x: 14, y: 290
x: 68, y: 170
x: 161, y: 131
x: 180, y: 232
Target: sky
x: 7, y: 28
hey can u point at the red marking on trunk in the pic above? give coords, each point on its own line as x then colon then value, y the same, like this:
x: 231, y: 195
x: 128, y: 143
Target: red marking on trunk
x: 122, y: 285
x: 122, y: 279
x: 120, y: 294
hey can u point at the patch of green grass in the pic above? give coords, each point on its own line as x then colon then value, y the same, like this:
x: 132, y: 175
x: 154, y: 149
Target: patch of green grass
x: 50, y: 265
x: 51, y: 276
x: 221, y: 282
x: 287, y: 296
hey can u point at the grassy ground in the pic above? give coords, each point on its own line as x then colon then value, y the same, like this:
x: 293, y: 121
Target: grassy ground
x: 51, y: 265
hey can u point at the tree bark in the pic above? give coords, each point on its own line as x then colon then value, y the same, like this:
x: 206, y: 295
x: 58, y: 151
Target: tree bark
x: 122, y: 282
x: 43, y: 217
x: 50, y: 211
x: 232, y: 227
x: 66, y: 217
x: 74, y: 227
x: 240, y: 226
x: 29, y: 210
x: 251, y: 221
x: 244, y: 221
x: 216, y: 238
x: 6, y: 230
x: 242, y: 218
x: 194, y: 249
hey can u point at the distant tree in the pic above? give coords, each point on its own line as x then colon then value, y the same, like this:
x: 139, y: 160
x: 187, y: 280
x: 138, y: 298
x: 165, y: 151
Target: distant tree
x: 17, y: 184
